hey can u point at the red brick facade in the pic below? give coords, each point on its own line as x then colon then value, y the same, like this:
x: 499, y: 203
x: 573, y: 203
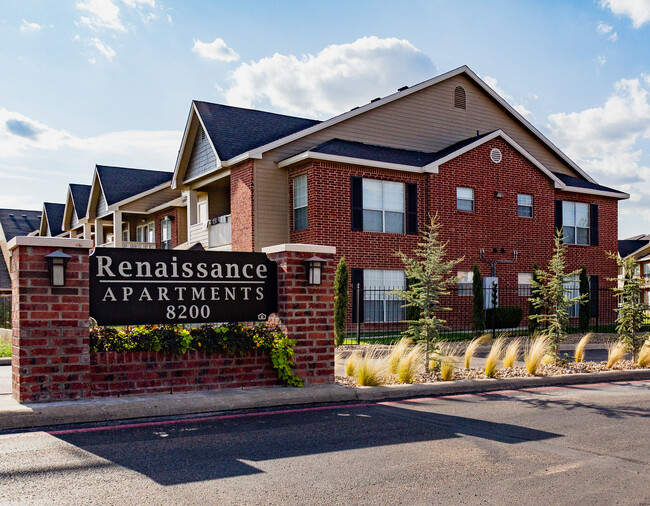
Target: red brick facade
x: 173, y: 214
x: 241, y: 207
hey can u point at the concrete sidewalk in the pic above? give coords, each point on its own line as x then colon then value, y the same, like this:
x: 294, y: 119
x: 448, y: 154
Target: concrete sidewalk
x: 17, y: 416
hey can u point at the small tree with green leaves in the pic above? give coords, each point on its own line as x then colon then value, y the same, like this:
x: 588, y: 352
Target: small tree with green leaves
x: 341, y: 298
x: 585, y: 304
x: 431, y: 275
x: 632, y: 309
x: 478, y: 320
x: 551, y: 295
x: 533, y: 324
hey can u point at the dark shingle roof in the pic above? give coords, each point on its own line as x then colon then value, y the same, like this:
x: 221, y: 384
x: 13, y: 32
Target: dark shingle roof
x: 54, y: 213
x: 234, y: 130
x: 19, y: 222
x: 627, y: 247
x: 582, y: 183
x: 120, y: 183
x: 80, y: 195
x: 377, y: 153
x: 5, y: 279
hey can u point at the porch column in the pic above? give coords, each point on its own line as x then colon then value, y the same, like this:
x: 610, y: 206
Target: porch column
x: 99, y: 233
x: 88, y: 231
x: 117, y: 228
x: 192, y: 209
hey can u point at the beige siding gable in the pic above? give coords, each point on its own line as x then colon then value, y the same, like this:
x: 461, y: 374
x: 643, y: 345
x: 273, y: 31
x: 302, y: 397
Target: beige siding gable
x: 427, y: 121
x: 271, y: 211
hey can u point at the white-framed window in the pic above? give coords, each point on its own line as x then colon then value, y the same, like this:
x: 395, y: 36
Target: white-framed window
x: 572, y: 290
x: 379, y: 305
x: 300, y: 220
x: 523, y: 283
x: 166, y: 233
x: 465, y: 281
x: 646, y: 271
x: 524, y: 205
x: 126, y: 234
x: 575, y: 222
x: 146, y: 233
x: 465, y: 199
x: 383, y: 206
x: 202, y: 211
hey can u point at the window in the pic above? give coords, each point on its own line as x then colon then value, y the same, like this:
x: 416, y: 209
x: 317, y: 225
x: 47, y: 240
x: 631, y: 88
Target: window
x: 465, y: 199
x: 523, y: 282
x: 383, y: 206
x: 524, y: 205
x: 146, y: 233
x: 646, y: 271
x: 379, y: 305
x: 572, y: 290
x: 575, y: 222
x: 300, y: 202
x: 465, y: 280
x: 125, y: 232
x: 166, y: 233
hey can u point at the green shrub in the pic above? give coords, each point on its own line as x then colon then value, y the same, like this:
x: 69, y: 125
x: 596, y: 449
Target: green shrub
x: 341, y: 298
x: 506, y: 316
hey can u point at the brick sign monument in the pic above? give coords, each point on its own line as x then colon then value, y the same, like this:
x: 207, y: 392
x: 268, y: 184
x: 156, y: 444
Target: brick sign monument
x: 51, y: 357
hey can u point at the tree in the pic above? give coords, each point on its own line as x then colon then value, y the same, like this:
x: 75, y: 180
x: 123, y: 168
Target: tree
x: 550, y: 295
x: 585, y: 304
x: 478, y: 320
x: 631, y: 310
x: 341, y: 297
x: 533, y: 324
x: 431, y: 276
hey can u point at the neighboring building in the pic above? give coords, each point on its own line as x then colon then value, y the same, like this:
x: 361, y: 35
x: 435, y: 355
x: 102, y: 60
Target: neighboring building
x: 75, y: 219
x: 52, y: 220
x: 639, y: 248
x: 367, y: 180
x: 13, y: 222
x: 135, y: 208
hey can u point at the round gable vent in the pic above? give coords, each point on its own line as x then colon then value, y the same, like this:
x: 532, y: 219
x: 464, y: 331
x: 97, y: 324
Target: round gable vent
x: 495, y: 155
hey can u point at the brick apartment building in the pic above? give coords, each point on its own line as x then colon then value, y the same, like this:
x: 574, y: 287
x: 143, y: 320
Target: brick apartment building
x: 367, y: 180
x: 638, y: 247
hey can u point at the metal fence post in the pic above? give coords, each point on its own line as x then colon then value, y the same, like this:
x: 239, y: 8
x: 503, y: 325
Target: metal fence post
x: 358, y: 289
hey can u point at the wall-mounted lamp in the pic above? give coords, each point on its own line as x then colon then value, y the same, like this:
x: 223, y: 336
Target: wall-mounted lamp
x: 56, y: 262
x: 498, y: 195
x: 314, y: 267
x: 170, y: 218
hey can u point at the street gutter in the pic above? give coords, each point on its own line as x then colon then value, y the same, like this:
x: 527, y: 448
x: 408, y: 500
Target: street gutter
x: 16, y: 416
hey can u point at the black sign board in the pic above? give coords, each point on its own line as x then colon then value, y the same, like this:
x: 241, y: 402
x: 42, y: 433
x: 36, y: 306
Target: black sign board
x: 138, y: 286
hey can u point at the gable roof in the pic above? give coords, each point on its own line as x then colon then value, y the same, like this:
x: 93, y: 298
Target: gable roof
x: 632, y: 245
x: 120, y: 183
x: 576, y: 182
x: 5, y: 278
x: 52, y: 218
x: 80, y: 194
x: 18, y: 222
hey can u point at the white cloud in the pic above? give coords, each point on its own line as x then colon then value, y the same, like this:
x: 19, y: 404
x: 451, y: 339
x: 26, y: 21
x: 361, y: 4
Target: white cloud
x: 604, y: 28
x: 103, y: 14
x: 30, y: 27
x: 104, y: 49
x: 216, y: 50
x: 601, y: 59
x: 609, y: 141
x: 613, y: 37
x: 637, y: 10
x: 339, y: 77
x: 140, y: 3
x: 517, y: 106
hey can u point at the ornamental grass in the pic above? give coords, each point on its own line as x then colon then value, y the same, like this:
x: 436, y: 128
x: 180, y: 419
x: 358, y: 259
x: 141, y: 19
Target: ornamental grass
x: 512, y: 353
x: 397, y: 353
x: 493, y: 357
x: 449, y: 361
x: 644, y: 355
x: 615, y: 353
x: 473, y: 346
x: 579, y: 354
x: 535, y: 352
x: 410, y: 364
x: 370, y: 369
x: 351, y: 363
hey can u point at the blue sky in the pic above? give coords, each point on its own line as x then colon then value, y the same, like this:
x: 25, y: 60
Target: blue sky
x: 110, y: 81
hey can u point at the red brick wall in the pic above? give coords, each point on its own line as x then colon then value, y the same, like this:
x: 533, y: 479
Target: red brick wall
x: 241, y: 207
x: 50, y: 327
x: 128, y: 373
x: 173, y: 214
x: 306, y: 313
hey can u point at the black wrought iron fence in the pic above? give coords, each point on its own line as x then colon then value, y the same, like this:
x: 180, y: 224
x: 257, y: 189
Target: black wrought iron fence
x: 379, y: 316
x: 5, y: 311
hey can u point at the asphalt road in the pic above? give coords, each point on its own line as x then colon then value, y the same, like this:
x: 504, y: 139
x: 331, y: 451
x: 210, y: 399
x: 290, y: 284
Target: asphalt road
x: 586, y: 445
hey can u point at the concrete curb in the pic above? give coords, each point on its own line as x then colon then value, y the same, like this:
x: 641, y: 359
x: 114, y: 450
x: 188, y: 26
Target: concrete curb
x: 17, y: 416
x: 5, y: 360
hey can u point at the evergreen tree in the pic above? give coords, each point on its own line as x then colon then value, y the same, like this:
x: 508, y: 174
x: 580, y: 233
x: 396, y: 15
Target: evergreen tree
x: 431, y: 276
x: 585, y: 304
x: 341, y: 297
x: 631, y: 310
x: 533, y: 324
x: 550, y: 295
x: 478, y: 320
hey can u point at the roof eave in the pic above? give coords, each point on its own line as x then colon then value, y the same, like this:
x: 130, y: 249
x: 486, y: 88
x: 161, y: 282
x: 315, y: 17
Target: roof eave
x: 311, y: 155
x: 601, y: 193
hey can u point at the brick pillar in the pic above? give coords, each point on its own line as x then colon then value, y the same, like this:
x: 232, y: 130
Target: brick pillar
x: 242, y: 220
x: 306, y: 312
x: 50, y: 347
